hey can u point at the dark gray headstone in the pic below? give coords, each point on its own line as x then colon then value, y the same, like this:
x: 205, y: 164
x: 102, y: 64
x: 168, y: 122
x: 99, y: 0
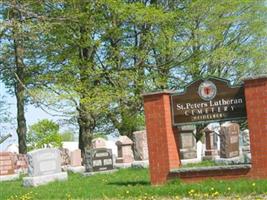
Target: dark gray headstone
x: 98, y: 160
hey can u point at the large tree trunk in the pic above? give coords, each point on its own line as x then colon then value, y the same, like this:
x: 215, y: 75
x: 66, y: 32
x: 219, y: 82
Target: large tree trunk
x: 20, y: 97
x: 85, y: 120
x: 21, y: 121
x: 19, y: 83
x: 85, y: 132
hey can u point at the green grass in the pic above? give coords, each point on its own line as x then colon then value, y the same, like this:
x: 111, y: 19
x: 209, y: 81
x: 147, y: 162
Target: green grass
x: 205, y: 163
x: 130, y: 184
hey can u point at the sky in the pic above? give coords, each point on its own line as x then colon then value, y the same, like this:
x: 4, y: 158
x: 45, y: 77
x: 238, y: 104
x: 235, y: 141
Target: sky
x: 33, y: 115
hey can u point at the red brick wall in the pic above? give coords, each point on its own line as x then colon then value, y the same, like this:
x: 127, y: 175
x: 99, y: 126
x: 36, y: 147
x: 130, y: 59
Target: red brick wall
x: 256, y: 101
x: 216, y: 174
x: 162, y: 142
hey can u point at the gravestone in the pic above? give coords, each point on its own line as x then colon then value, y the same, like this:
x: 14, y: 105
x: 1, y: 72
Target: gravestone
x: 125, y: 152
x: 99, y: 143
x: 211, y: 145
x: 76, y: 162
x: 6, y: 163
x: 246, y: 146
x: 44, y: 167
x: 97, y: 160
x: 21, y: 163
x: 75, y: 158
x: 65, y: 156
x: 7, y: 167
x: 140, y: 145
x: 245, y: 141
x: 187, y: 142
x: 229, y: 136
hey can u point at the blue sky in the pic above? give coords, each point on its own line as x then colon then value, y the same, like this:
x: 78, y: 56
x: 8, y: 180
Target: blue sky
x: 33, y: 115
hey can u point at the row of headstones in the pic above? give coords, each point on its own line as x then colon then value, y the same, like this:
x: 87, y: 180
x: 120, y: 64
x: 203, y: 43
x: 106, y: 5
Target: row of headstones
x: 227, y: 143
x: 127, y: 150
x: 45, y: 165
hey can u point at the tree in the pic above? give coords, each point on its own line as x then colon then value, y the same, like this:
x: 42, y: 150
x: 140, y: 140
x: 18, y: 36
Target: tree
x: 44, y: 133
x: 86, y: 66
x: 19, y: 56
x: 100, y: 56
x: 67, y: 136
x: 219, y: 38
x: 5, y: 115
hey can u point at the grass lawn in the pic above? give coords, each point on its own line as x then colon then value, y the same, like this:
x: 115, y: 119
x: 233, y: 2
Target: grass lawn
x: 133, y: 184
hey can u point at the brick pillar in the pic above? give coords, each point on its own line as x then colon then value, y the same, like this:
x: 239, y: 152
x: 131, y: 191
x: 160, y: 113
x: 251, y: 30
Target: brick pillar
x: 256, y: 105
x: 162, y: 137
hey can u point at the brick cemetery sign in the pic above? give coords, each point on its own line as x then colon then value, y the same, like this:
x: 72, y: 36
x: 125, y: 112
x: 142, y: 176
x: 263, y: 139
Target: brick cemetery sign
x: 7, y: 166
x: 44, y: 167
x: 99, y: 159
x: 229, y: 136
x: 203, y: 102
x: 207, y: 101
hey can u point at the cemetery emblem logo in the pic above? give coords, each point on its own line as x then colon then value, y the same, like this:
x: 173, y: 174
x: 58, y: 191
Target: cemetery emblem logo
x: 207, y: 90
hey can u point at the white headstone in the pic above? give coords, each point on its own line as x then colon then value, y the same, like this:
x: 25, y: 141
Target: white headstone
x: 44, y: 167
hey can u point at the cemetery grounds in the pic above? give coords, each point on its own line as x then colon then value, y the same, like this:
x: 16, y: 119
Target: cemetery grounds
x: 133, y: 184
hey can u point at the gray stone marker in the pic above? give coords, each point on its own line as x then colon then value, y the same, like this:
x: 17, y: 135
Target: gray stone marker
x: 140, y: 145
x: 187, y: 142
x: 229, y: 136
x: 44, y: 167
x: 245, y: 141
x: 246, y: 146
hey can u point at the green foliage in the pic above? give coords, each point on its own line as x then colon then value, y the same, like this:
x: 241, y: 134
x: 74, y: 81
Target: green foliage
x: 205, y: 163
x: 67, y: 136
x: 4, y: 113
x: 44, y: 133
x: 92, y: 60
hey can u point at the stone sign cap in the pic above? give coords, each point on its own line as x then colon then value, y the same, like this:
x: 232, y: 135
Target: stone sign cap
x: 124, y: 140
x: 44, y: 162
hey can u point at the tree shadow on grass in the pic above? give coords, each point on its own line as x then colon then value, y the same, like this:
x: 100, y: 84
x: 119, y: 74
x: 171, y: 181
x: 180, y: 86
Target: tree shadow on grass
x: 129, y: 183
